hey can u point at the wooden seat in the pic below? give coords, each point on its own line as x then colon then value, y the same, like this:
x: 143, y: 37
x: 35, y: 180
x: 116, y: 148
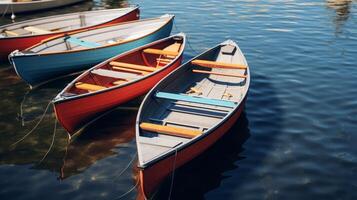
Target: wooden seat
x: 119, y: 82
x: 132, y: 66
x: 160, y: 52
x: 89, y: 87
x: 213, y: 64
x: 114, y: 74
x: 195, y: 99
x: 11, y: 33
x: 219, y: 74
x: 37, y: 30
x: 83, y: 43
x: 170, y: 130
x: 131, y: 70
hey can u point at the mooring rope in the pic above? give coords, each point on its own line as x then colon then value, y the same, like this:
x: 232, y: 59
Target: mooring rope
x: 21, y: 108
x: 34, y: 128
x: 53, y: 141
x: 188, y: 41
x: 127, y: 192
x: 173, y: 175
x: 7, y: 7
x: 64, y: 159
x: 128, y: 165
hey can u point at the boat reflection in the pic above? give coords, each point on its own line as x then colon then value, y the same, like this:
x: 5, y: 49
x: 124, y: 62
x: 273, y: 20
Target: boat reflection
x: 205, y: 173
x: 342, y: 9
x: 99, y: 140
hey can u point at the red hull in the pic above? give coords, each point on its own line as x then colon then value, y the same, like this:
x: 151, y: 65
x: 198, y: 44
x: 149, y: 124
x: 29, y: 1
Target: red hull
x: 75, y: 113
x: 152, y: 176
x: 7, y: 45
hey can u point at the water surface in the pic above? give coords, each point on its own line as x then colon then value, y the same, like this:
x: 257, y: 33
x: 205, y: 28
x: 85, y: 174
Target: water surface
x: 296, y: 139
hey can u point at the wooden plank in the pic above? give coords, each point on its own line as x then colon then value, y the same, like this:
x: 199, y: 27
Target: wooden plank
x: 160, y: 52
x: 36, y: 30
x: 119, y: 82
x: 217, y: 73
x: 195, y: 99
x: 213, y: 64
x: 115, y: 74
x: 11, y: 33
x: 157, y: 141
x: 170, y: 130
x: 88, y: 86
x: 163, y: 60
x: 131, y: 70
x: 132, y: 66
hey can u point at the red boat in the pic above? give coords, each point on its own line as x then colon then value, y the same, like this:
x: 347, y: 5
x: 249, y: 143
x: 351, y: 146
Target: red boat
x: 189, y: 110
x: 116, y: 81
x: 21, y: 35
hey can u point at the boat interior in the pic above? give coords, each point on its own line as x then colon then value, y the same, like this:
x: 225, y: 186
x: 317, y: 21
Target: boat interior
x: 128, y: 67
x: 109, y: 35
x: 204, y: 92
x: 61, y: 23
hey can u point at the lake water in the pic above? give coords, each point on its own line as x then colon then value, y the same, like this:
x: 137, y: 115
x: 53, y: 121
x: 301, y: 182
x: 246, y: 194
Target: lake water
x: 296, y: 140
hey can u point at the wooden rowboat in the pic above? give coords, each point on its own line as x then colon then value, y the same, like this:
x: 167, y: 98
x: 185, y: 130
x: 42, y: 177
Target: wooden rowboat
x: 116, y: 81
x: 22, y: 35
x: 21, y: 6
x: 77, y: 51
x: 189, y: 110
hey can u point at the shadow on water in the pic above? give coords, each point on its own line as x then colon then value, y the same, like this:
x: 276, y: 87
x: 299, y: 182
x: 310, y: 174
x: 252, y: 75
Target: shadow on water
x: 203, y: 177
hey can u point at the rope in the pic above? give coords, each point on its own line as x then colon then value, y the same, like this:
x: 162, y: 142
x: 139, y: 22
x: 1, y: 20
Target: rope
x: 53, y: 140
x: 129, y: 164
x: 7, y: 7
x: 173, y: 175
x: 188, y: 41
x: 21, y: 108
x: 61, y: 176
x: 127, y: 192
x: 34, y: 128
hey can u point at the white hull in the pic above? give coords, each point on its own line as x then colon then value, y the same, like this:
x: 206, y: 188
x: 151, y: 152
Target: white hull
x: 18, y: 7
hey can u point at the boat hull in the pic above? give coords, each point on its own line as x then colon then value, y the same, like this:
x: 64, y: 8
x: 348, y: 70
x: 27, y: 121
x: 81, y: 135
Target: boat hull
x: 7, y: 45
x: 152, y: 176
x: 21, y: 7
x: 74, y: 114
x: 35, y: 69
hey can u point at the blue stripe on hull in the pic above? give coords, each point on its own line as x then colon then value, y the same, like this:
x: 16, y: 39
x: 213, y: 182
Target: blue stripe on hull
x: 37, y: 69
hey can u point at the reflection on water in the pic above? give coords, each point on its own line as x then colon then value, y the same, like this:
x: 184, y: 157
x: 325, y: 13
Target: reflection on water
x: 342, y: 9
x: 98, y: 141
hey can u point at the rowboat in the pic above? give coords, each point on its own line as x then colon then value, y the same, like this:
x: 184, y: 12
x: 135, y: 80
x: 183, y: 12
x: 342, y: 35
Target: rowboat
x: 21, y: 6
x: 189, y: 110
x: 22, y: 35
x: 117, y: 80
x: 76, y: 51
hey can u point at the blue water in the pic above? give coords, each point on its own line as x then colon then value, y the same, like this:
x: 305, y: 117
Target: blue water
x: 296, y: 139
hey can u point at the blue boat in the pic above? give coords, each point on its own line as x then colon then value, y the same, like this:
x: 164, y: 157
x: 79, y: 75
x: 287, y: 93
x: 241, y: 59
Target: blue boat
x: 74, y: 52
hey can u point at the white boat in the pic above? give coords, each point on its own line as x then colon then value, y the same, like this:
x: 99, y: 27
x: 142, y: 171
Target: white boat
x: 19, y: 6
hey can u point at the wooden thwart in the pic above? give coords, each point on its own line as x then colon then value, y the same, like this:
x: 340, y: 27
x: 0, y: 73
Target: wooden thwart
x: 119, y: 82
x: 131, y: 70
x: 170, y: 130
x: 36, y: 30
x: 161, y: 52
x: 11, y: 33
x: 88, y: 86
x: 213, y: 64
x: 132, y: 66
x: 219, y: 74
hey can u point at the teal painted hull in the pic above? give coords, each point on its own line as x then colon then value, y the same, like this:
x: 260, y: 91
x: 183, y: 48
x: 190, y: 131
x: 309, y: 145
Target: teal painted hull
x: 36, y: 69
